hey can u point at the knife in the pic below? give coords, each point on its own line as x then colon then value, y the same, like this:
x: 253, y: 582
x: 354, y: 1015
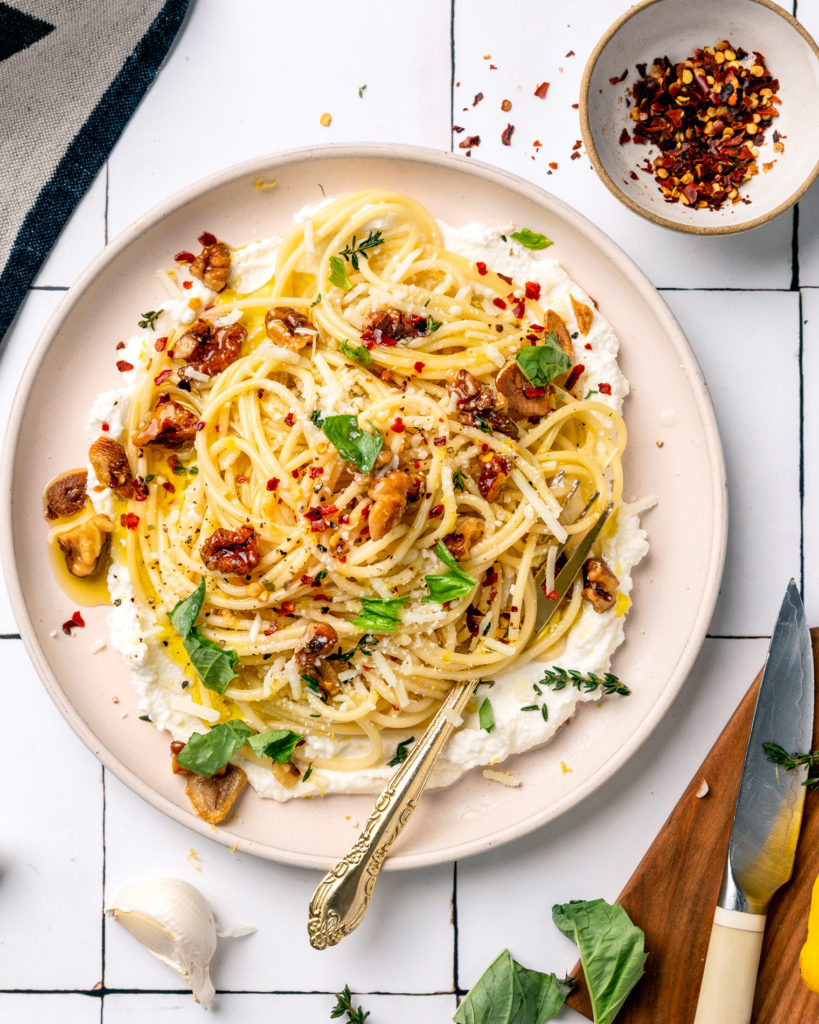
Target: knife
x: 766, y: 824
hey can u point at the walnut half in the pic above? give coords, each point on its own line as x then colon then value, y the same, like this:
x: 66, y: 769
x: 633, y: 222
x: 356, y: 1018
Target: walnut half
x: 213, y: 798
x: 83, y: 545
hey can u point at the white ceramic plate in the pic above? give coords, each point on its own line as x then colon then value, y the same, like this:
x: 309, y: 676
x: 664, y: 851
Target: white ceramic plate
x: 675, y: 588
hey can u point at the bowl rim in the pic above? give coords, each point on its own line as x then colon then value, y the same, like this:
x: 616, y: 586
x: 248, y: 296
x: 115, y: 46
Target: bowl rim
x: 611, y: 184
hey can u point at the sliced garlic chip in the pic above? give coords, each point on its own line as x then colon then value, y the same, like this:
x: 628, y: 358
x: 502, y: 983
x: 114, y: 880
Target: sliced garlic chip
x: 175, y: 923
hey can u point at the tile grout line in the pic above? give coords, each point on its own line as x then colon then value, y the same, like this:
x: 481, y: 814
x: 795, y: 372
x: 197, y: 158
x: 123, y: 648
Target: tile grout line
x: 99, y: 993
x: 795, y: 250
x: 104, y: 879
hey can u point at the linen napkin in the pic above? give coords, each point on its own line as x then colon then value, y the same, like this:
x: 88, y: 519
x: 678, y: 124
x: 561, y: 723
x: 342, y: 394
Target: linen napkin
x: 72, y: 72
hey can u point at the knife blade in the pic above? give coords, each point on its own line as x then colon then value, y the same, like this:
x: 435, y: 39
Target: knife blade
x: 767, y: 819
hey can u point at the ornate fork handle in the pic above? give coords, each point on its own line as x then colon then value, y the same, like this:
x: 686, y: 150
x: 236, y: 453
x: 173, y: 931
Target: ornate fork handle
x: 341, y: 900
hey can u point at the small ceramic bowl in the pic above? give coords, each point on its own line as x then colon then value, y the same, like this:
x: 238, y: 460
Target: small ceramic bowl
x: 657, y: 28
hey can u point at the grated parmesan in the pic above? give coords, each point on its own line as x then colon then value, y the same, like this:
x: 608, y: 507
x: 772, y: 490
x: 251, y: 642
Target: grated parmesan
x: 504, y: 778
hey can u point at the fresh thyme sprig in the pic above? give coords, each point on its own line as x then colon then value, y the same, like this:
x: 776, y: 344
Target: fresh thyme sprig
x: 149, y: 319
x: 788, y: 761
x: 355, y: 249
x: 560, y: 678
x: 345, y: 1005
x: 365, y: 645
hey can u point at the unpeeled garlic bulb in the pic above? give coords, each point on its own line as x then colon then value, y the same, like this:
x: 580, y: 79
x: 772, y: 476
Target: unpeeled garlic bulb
x: 175, y: 923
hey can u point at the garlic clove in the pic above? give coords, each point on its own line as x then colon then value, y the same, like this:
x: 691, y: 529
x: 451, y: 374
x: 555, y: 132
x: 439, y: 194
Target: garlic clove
x: 175, y: 923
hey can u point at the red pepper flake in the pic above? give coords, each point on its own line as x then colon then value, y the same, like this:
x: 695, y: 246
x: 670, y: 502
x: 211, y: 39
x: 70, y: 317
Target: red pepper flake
x: 161, y: 344
x: 184, y: 257
x: 199, y: 425
x: 587, y: 346
x: 124, y: 366
x: 541, y: 90
x: 105, y: 426
x: 490, y: 577
x: 287, y: 608
x: 619, y: 78
x: 344, y: 519
x: 328, y: 510
x: 624, y: 137
x: 206, y: 238
x: 519, y: 308
x: 169, y: 487
x: 313, y: 514
x: 187, y: 284
x: 315, y: 471
x: 242, y: 479
x: 290, y: 419
x: 508, y: 280
x: 320, y: 597
x: 398, y: 426
x: 418, y: 367
x: 75, y: 622
x: 551, y: 595
x: 160, y: 378
x: 272, y: 484
x: 493, y: 67
x: 633, y: 176
x: 481, y: 268
x: 436, y: 511
x: 499, y: 303
x: 469, y: 142
x: 570, y: 53
x: 478, y: 98
x: 120, y: 345
x: 319, y: 526
x: 369, y: 343
x: 129, y: 520
x: 575, y: 156
x: 506, y: 134
x: 604, y: 389
x: 533, y: 392
x: 537, y: 144
x: 575, y: 106
x: 439, y: 442
x: 532, y: 290
x: 573, y: 377
x: 553, y: 165
x: 457, y: 128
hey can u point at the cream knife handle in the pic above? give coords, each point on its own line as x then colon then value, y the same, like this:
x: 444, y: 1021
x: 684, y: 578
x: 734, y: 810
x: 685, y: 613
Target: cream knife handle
x: 729, y: 978
x: 341, y: 900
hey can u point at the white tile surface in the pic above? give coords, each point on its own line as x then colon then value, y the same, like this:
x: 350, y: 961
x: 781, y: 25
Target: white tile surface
x: 226, y: 94
x: 16, y: 1008
x: 283, y: 76
x: 747, y: 344
x: 51, y: 844
x: 505, y: 897
x: 298, y: 1009
x: 141, y: 843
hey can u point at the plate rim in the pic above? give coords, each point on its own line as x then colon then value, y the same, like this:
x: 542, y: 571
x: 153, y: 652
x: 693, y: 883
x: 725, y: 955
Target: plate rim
x: 485, y: 172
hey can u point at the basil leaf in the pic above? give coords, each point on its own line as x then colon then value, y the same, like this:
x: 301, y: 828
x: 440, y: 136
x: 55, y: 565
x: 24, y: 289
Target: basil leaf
x: 401, y: 752
x: 542, y: 363
x: 508, y: 993
x: 207, y: 753
x: 448, y: 586
x: 351, y: 442
x: 532, y: 239
x: 215, y: 665
x: 277, y: 743
x: 338, y: 273
x: 486, y: 716
x: 357, y: 353
x: 185, y: 613
x: 380, y: 616
x: 612, y: 951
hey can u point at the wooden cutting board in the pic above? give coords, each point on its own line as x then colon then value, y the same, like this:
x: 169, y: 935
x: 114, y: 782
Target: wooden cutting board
x: 674, y: 890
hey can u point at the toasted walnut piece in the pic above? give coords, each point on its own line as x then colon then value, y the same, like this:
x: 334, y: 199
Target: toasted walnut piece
x: 583, y: 314
x: 287, y: 774
x: 564, y: 339
x: 290, y: 328
x: 389, y: 495
x: 110, y: 463
x: 83, y: 545
x: 317, y: 639
x: 522, y: 397
x: 478, y: 405
x: 170, y: 425
x: 466, y: 533
x: 599, y: 584
x: 388, y: 326
x: 212, y: 266
x: 213, y: 798
x: 494, y: 475
x: 66, y: 494
x: 210, y: 350
x: 232, y: 552
x: 176, y: 747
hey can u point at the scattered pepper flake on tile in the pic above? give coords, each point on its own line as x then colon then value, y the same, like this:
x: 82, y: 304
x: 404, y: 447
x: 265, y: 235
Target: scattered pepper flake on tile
x: 325, y: 120
x: 470, y: 141
x: 506, y: 134
x: 506, y: 106
x: 542, y: 90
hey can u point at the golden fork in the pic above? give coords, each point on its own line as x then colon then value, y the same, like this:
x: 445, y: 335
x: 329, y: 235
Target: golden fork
x: 341, y: 899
